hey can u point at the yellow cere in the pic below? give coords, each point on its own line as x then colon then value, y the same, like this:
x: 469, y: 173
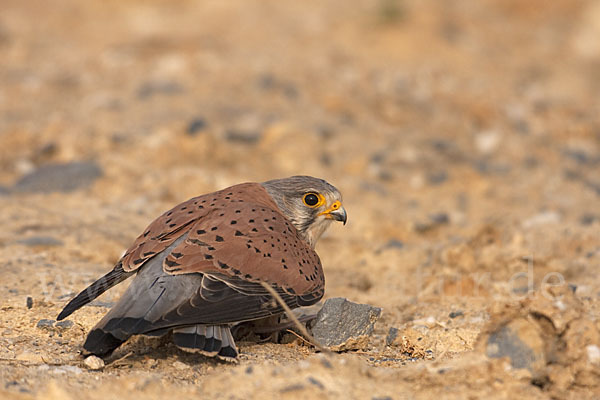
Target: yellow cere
x: 335, y: 206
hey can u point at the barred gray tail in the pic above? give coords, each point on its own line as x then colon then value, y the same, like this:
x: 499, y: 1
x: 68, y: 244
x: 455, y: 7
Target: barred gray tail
x: 210, y: 340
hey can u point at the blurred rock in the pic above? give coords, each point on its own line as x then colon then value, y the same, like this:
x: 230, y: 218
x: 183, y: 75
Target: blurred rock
x: 435, y: 220
x: 93, y: 363
x: 242, y: 136
x: 195, y: 126
x: 29, y: 302
x: 45, y: 323
x: 588, y: 219
x: 42, y: 241
x: 520, y: 341
x: 437, y: 177
x: 344, y: 325
x: 149, y: 89
x: 487, y: 142
x: 392, y: 244
x: 593, y: 353
x: 391, y: 336
x: 543, y: 218
x: 59, y: 177
x: 66, y: 324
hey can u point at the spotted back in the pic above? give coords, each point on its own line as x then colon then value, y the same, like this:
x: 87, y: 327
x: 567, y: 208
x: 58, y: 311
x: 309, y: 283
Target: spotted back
x: 237, y: 232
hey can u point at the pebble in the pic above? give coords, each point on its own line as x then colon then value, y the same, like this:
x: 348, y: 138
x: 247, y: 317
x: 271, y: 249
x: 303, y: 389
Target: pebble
x: 180, y: 365
x: 543, y: 218
x: 66, y: 324
x: 29, y: 302
x: 488, y: 141
x: 242, y: 136
x: 593, y: 353
x: 94, y: 363
x: 45, y: 323
x: 391, y: 336
x: 195, y: 126
x: 149, y: 89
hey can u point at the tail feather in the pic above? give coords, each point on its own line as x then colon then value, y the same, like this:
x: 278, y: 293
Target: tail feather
x: 117, y: 275
x: 101, y: 343
x: 210, y: 340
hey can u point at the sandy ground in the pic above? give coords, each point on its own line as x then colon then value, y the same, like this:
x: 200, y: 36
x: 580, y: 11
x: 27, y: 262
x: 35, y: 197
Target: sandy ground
x: 464, y: 135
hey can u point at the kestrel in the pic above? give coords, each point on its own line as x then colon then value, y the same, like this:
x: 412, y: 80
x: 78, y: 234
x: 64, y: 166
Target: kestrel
x: 199, y: 266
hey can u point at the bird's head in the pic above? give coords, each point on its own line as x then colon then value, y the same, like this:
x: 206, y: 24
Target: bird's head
x: 310, y: 204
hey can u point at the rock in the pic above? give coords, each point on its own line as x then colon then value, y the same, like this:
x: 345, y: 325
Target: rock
x: 593, y: 353
x: 520, y: 341
x: 42, y: 241
x: 487, y: 142
x: 588, y: 219
x: 435, y: 220
x: 94, y: 363
x: 29, y: 302
x: 391, y: 336
x: 180, y: 365
x: 344, y: 325
x: 437, y: 177
x: 242, y: 136
x: 66, y: 324
x: 59, y: 178
x: 455, y: 314
x: 543, y: 218
x: 45, y: 323
x: 149, y: 89
x: 195, y: 126
x: 393, y: 244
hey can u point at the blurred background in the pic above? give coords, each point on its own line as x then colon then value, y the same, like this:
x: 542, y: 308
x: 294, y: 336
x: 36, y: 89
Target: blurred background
x: 464, y: 136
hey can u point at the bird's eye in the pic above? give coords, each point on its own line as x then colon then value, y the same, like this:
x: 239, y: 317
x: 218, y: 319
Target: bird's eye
x: 312, y: 199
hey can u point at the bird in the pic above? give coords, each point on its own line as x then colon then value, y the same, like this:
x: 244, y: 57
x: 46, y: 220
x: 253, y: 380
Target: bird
x: 199, y: 268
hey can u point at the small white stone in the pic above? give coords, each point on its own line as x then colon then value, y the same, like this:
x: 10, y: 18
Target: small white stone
x: 486, y: 142
x: 94, y: 363
x: 543, y: 218
x: 179, y: 365
x: 593, y: 353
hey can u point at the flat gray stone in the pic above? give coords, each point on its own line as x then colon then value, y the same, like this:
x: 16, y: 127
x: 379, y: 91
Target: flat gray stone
x: 59, y: 178
x: 344, y: 325
x: 46, y: 241
x: 45, y: 323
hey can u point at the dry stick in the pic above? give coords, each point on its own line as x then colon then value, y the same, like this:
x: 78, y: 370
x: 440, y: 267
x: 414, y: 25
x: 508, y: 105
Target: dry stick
x: 115, y: 363
x: 291, y: 316
x: 298, y: 336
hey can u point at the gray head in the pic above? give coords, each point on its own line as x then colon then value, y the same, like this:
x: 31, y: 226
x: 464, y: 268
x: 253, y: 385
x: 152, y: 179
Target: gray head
x: 311, y: 204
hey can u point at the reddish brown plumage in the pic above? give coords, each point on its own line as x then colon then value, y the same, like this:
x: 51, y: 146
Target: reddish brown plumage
x: 237, y: 232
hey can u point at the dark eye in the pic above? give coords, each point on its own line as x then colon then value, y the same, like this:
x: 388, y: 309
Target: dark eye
x: 311, y: 199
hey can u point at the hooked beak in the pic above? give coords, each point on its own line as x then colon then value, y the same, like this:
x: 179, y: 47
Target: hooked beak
x: 336, y: 212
